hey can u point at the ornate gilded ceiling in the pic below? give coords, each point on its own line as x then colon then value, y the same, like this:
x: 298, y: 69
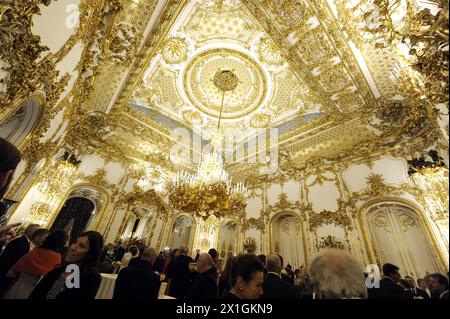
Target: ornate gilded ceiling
x: 205, y: 38
x: 208, y: 36
x: 148, y: 68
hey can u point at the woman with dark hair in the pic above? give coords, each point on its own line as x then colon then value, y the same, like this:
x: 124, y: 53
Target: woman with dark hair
x: 37, y: 263
x: 224, y: 281
x: 83, y: 253
x: 246, y: 279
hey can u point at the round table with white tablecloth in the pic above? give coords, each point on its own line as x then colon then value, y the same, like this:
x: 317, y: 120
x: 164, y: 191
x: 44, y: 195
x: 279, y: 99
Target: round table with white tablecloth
x: 106, y: 289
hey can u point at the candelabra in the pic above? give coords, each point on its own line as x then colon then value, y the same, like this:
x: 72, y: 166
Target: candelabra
x: 57, y: 180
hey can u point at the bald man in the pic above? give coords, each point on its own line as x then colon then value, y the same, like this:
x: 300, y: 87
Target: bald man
x: 205, y: 283
x: 138, y: 281
x: 274, y: 287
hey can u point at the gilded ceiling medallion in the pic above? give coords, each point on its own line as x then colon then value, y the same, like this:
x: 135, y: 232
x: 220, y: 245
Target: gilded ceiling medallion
x: 269, y: 52
x: 225, y: 80
x: 214, y: 71
x: 175, y: 50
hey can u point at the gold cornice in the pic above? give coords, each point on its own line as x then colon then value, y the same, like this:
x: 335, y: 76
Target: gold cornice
x: 300, y: 68
x: 152, y: 45
x: 350, y: 51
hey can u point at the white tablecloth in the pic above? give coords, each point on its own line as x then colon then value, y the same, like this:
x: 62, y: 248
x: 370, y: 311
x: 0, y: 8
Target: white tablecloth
x: 106, y: 289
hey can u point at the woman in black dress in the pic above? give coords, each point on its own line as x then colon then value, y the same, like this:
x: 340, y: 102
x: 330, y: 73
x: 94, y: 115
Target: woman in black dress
x: 78, y: 277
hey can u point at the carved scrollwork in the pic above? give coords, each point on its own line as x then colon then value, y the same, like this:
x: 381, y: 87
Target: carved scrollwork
x: 328, y: 217
x: 147, y: 199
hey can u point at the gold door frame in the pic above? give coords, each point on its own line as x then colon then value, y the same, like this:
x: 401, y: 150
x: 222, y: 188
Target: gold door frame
x: 362, y: 213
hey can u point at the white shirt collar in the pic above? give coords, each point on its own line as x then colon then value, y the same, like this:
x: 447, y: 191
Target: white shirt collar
x: 32, y: 246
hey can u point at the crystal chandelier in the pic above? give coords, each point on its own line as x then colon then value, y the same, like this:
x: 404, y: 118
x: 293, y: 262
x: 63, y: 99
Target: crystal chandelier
x: 210, y: 190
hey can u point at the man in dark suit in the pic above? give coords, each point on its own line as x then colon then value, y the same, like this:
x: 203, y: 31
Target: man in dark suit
x: 438, y: 286
x: 274, y: 287
x: 119, y: 252
x: 179, y: 274
x: 134, y: 261
x: 389, y: 289
x: 205, y: 284
x: 417, y: 292
x: 15, y: 250
x: 138, y: 281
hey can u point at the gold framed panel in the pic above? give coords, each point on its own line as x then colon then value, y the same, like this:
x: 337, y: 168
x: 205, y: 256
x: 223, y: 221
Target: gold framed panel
x: 190, y: 244
x: 271, y: 237
x: 236, y: 240
x: 362, y: 212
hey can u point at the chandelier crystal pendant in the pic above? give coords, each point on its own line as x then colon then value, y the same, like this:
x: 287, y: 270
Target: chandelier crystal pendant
x: 210, y: 190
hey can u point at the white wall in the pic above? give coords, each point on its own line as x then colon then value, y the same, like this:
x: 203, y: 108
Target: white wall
x: 56, y: 23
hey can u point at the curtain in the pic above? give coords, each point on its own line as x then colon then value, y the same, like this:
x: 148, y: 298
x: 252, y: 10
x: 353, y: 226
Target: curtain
x: 74, y: 216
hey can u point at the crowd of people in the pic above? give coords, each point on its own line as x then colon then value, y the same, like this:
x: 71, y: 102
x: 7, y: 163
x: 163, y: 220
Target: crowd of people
x: 333, y: 273
x: 35, y: 264
x: 39, y: 263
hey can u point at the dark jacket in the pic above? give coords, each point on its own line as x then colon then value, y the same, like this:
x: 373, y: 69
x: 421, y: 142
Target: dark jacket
x: 118, y: 253
x: 15, y: 250
x: 158, y: 265
x: 137, y: 282
x: 89, y: 284
x: 388, y: 290
x: 289, y: 277
x: 417, y: 292
x: 224, y: 285
x: 134, y: 261
x: 408, y: 294
x: 180, y: 276
x: 204, y: 286
x: 276, y: 288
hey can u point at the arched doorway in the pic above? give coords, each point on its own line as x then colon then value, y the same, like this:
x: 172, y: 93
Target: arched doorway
x: 137, y: 224
x: 287, y: 240
x: 182, y: 232
x: 398, y: 235
x: 74, y: 216
x: 227, y: 237
x: 82, y: 210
